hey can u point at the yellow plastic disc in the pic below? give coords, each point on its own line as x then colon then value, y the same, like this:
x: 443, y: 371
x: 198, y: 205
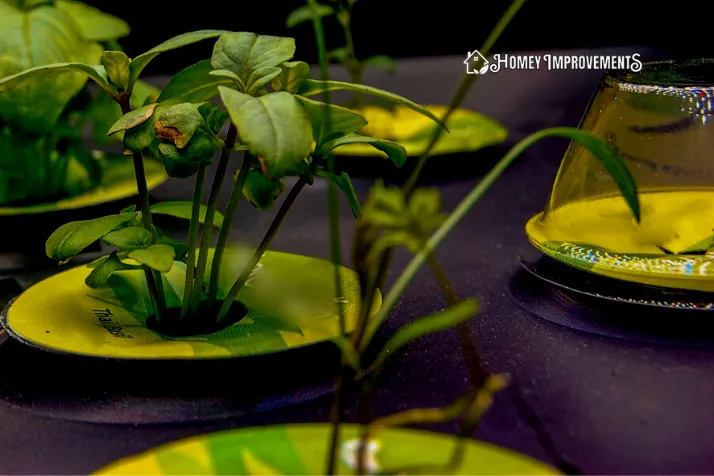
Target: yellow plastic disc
x: 290, y: 301
x: 118, y: 182
x: 600, y: 236
x: 301, y: 449
x: 468, y: 131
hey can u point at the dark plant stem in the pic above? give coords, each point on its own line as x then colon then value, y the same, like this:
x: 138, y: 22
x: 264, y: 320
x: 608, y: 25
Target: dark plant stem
x: 474, y: 364
x: 154, y: 281
x: 193, y: 231
x: 207, y: 231
x: 531, y: 418
x: 340, y: 396
x: 337, y: 416
x: 225, y: 231
x: 262, y: 247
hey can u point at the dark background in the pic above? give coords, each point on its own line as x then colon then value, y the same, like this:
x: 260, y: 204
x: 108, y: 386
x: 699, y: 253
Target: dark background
x: 411, y: 28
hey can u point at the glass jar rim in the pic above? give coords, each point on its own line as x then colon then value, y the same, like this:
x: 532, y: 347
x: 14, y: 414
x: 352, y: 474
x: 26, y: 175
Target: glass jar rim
x: 674, y: 75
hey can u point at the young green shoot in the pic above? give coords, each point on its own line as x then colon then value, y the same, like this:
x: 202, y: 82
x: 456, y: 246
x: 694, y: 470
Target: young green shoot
x: 265, y: 98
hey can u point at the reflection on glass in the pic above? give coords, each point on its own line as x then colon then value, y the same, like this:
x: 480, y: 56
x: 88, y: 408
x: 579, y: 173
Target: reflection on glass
x: 660, y: 120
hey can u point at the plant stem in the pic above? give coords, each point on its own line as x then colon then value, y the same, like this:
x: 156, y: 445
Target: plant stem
x: 262, y: 248
x: 464, y: 87
x: 352, y: 64
x: 207, y: 231
x: 154, y: 280
x: 469, y: 349
x: 340, y: 396
x: 193, y: 240
x: 454, y: 218
x: 225, y: 231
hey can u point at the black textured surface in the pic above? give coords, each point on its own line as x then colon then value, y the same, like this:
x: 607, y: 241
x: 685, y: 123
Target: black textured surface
x: 612, y: 405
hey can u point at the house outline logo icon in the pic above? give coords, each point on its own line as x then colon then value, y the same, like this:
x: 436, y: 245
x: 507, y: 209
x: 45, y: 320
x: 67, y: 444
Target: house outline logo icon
x: 473, y: 57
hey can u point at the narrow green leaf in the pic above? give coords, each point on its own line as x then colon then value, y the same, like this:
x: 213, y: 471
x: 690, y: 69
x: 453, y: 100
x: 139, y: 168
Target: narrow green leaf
x: 292, y: 75
x: 105, y: 269
x: 194, y: 84
x: 159, y: 257
x: 606, y: 155
x: 16, y: 81
x: 310, y: 87
x: 394, y: 151
x: 129, y: 238
x: 133, y: 119
x: 305, y: 13
x: 342, y: 121
x: 94, y: 24
x: 140, y: 62
x: 420, y: 416
x: 448, y: 318
x: 382, y: 62
x: 182, y: 209
x: 245, y: 53
x: 275, y: 127
x: 71, y: 238
x: 344, y: 183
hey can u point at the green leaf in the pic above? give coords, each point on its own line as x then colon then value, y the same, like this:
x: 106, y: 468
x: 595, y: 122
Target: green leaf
x: 261, y: 191
x: 129, y: 238
x: 213, y: 115
x: 275, y: 127
x: 140, y: 62
x: 179, y: 123
x: 180, y: 247
x: 446, y: 319
x: 342, y: 121
x: 133, y: 119
x: 71, y: 238
x: 310, y: 87
x: 116, y: 64
x: 142, y: 135
x: 260, y: 78
x: 33, y: 40
x: 344, y: 183
x: 605, y: 154
x: 394, y: 151
x: 230, y: 75
x: 292, y: 75
x: 194, y: 84
x: 338, y: 54
x: 104, y: 270
x: 382, y: 62
x: 182, y: 209
x: 159, y: 257
x: 94, y: 24
x: 246, y: 53
x: 305, y: 13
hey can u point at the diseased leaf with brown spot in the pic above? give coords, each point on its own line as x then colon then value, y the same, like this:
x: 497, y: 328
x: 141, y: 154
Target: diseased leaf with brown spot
x: 132, y: 119
x: 178, y: 124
